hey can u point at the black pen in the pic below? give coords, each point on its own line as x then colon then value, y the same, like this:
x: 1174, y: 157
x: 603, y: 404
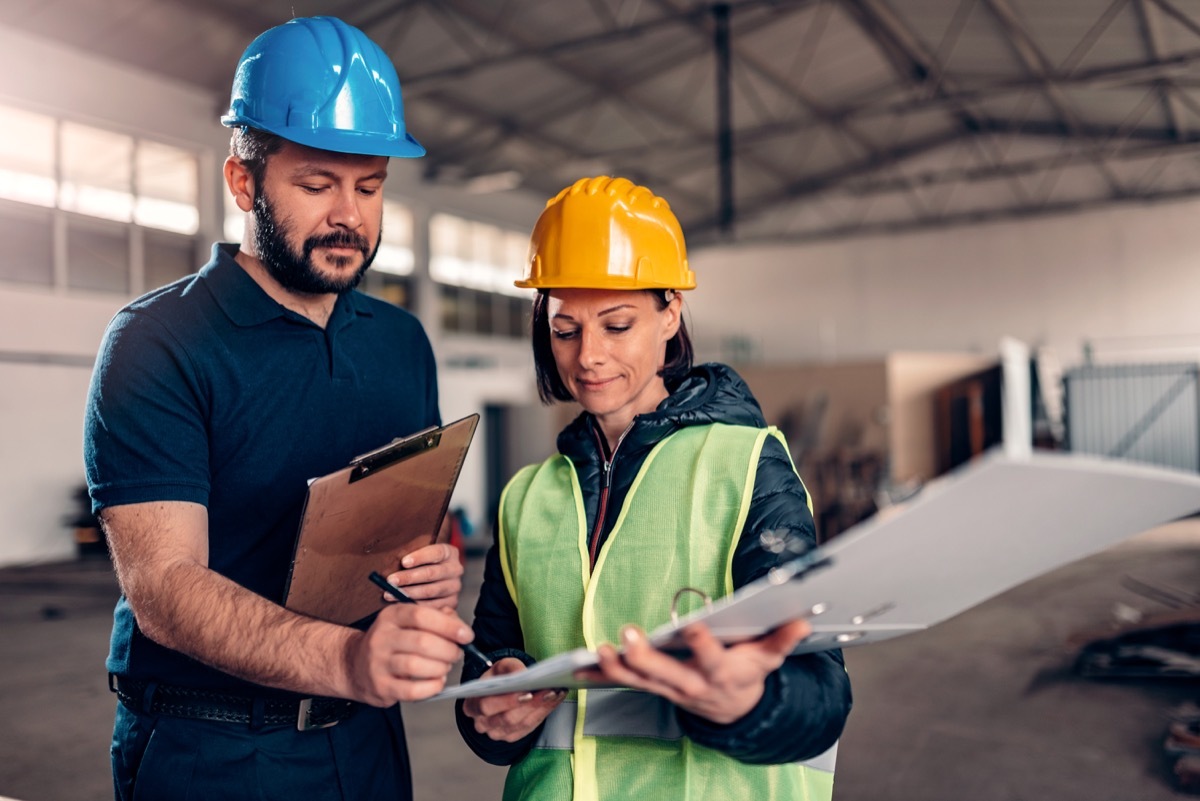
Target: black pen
x: 469, y: 649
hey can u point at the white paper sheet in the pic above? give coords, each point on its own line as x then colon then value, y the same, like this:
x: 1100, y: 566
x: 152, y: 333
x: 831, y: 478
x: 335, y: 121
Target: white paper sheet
x: 966, y: 537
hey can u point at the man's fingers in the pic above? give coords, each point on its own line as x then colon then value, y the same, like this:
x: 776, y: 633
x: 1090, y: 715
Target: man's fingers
x: 434, y: 590
x: 429, y: 555
x: 406, y: 617
x: 431, y: 575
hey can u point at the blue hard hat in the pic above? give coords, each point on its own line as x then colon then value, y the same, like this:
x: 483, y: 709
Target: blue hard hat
x: 322, y: 83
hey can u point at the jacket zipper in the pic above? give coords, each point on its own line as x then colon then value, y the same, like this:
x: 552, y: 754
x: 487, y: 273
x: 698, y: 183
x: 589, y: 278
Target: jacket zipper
x: 606, y: 482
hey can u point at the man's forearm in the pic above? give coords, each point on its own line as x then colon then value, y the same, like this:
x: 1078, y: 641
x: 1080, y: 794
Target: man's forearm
x: 195, y: 611
x: 160, y: 550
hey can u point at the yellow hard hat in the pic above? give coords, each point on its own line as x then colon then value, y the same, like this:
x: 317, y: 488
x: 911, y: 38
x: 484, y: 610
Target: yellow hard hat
x: 607, y: 233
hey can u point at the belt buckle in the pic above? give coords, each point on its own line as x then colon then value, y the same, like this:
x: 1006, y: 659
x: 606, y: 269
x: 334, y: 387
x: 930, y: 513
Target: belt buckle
x: 304, y: 718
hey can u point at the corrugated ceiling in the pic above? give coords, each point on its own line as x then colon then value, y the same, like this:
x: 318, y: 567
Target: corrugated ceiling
x: 844, y: 116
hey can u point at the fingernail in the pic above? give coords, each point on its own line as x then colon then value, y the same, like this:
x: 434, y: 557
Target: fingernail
x: 524, y: 697
x: 630, y: 635
x: 407, y: 561
x: 550, y: 696
x: 465, y: 634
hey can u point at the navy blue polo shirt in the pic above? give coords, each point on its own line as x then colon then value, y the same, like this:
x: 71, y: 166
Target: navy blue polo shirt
x: 209, y: 391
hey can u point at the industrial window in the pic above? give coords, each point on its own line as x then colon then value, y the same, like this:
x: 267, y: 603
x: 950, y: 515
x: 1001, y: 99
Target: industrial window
x: 28, y: 236
x: 475, y: 265
x: 390, y: 277
x: 81, y: 205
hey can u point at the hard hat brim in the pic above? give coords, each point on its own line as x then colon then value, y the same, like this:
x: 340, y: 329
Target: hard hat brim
x: 336, y: 141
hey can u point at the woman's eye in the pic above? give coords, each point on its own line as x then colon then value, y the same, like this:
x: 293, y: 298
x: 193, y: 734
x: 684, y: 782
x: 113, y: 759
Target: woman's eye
x: 564, y: 334
x: 618, y: 329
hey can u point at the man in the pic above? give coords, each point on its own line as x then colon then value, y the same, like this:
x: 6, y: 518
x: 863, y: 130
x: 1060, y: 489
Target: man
x: 213, y: 401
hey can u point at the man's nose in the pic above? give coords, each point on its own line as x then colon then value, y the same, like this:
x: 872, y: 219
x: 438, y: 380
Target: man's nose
x: 346, y: 212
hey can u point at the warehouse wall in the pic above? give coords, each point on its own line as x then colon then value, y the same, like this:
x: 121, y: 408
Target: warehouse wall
x: 1128, y: 273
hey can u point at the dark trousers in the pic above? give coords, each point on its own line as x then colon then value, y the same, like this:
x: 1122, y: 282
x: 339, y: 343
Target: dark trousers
x: 160, y: 758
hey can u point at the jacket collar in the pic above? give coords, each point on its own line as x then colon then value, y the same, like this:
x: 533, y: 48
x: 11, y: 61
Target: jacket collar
x: 710, y: 393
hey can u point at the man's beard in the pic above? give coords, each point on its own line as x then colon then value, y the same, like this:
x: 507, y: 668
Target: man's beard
x: 296, y: 271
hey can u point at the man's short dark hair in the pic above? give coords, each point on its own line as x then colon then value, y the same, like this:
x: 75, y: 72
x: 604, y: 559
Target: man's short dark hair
x: 253, y: 146
x: 677, y: 364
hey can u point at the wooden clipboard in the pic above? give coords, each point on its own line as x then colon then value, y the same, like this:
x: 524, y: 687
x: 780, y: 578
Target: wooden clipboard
x: 368, y: 515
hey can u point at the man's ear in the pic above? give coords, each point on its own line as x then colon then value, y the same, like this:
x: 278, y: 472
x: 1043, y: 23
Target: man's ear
x: 240, y: 183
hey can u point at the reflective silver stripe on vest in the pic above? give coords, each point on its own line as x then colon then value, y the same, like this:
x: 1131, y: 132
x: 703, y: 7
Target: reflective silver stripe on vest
x: 625, y: 713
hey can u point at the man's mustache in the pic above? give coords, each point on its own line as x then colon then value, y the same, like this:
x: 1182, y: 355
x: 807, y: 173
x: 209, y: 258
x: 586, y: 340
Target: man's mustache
x: 338, y: 239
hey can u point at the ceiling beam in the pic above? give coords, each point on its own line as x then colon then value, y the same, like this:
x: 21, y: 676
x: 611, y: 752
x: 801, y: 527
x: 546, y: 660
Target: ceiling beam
x: 1039, y: 66
x: 918, y: 67
x: 988, y: 172
x: 1150, y: 24
x: 832, y: 179
x: 1183, y: 19
x: 673, y: 19
x: 617, y: 92
x: 952, y: 220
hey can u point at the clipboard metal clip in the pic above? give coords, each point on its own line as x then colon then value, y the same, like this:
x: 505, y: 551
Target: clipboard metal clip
x: 682, y: 591
x: 395, y: 451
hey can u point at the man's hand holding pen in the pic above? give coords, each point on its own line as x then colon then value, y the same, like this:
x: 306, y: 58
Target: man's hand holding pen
x: 406, y: 654
x: 394, y: 593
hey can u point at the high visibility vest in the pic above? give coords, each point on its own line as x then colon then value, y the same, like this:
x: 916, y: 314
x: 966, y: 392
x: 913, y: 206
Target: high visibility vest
x: 678, y: 527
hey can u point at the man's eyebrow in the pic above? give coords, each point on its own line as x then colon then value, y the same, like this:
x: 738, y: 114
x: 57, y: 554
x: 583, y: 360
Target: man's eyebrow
x: 313, y: 171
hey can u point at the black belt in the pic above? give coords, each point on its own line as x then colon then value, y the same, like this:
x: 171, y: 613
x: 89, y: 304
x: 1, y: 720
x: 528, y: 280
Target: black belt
x: 225, y: 707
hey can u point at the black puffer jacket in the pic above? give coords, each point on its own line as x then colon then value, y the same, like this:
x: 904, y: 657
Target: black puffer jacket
x: 807, y: 700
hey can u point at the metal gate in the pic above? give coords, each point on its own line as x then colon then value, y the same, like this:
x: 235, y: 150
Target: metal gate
x: 1142, y: 412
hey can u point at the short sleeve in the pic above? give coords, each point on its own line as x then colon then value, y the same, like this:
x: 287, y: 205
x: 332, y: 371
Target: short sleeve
x: 145, y: 425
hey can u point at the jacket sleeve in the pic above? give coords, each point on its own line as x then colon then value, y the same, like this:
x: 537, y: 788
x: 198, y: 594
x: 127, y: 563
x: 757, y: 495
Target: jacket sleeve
x: 497, y: 634
x: 806, y: 701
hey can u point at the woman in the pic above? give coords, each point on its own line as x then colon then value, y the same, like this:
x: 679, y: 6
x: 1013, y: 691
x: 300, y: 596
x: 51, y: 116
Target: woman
x: 668, y: 479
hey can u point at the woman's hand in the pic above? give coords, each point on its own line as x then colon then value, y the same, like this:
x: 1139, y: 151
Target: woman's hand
x: 511, y: 716
x: 719, y: 683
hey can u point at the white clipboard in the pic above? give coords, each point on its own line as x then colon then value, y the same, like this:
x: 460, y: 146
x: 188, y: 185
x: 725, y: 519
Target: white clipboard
x: 990, y: 525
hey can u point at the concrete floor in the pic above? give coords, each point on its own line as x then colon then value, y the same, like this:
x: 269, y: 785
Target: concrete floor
x: 982, y: 707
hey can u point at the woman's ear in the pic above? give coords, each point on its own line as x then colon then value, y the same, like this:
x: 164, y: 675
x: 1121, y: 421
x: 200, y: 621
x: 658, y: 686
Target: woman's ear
x: 674, y: 312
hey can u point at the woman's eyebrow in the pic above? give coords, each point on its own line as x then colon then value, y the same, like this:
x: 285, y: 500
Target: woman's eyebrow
x: 562, y: 316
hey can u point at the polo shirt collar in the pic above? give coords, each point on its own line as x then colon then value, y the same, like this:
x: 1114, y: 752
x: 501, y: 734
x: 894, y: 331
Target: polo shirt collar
x: 246, y: 304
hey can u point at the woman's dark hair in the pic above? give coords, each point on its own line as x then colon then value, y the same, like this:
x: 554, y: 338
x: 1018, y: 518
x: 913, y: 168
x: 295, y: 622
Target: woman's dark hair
x: 253, y: 146
x: 676, y: 365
